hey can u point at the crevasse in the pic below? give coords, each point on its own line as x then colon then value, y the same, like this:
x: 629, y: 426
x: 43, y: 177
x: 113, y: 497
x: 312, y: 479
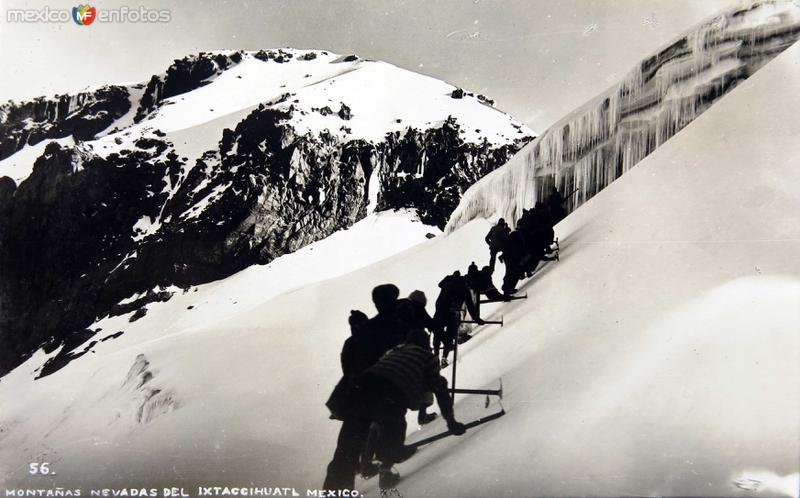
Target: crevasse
x: 607, y: 136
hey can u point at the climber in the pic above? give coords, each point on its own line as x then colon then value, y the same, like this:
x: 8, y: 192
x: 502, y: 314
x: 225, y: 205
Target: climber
x: 412, y: 315
x: 471, y: 279
x: 538, y: 244
x: 555, y: 205
x: 496, y: 239
x: 385, y: 329
x: 355, y: 351
x: 512, y: 256
x: 454, y: 294
x: 409, y: 315
x: 421, y: 317
x: 483, y: 285
x: 383, y: 393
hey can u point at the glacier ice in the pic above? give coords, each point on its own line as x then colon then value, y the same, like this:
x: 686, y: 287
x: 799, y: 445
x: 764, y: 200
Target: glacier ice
x: 603, y: 139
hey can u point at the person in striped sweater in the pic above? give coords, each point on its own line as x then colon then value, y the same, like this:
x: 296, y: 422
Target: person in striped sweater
x: 384, y: 392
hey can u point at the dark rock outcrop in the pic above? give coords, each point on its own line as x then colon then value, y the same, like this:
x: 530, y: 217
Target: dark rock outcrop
x: 84, y: 231
x: 65, y: 235
x: 184, y: 75
x: 429, y: 170
x: 82, y: 115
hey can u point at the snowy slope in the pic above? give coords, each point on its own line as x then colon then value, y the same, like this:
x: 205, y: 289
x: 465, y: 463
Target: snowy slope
x: 225, y: 160
x: 659, y: 356
x: 382, y: 97
x: 20, y: 165
x: 116, y: 401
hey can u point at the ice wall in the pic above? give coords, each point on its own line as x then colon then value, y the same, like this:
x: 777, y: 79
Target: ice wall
x: 593, y: 146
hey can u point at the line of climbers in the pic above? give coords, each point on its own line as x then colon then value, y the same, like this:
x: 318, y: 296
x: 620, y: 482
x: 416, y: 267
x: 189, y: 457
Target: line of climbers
x: 532, y: 241
x: 388, y: 363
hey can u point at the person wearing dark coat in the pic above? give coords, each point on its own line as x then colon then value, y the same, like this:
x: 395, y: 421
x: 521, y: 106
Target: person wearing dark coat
x: 472, y: 269
x: 454, y: 295
x: 422, y: 319
x: 358, y: 354
x: 385, y: 329
x: 538, y: 236
x: 539, y: 249
x: 555, y: 206
x: 413, y: 314
x: 525, y: 221
x: 512, y: 257
x: 496, y: 240
x: 484, y: 286
x: 396, y: 383
x: 373, y: 339
x: 355, y: 357
x: 473, y: 279
x: 542, y: 228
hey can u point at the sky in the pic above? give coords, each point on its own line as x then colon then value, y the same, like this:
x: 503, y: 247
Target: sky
x: 538, y: 59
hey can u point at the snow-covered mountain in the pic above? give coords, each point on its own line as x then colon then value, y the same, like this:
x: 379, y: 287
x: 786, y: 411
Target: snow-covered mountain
x: 658, y: 357
x: 606, y: 137
x: 227, y: 159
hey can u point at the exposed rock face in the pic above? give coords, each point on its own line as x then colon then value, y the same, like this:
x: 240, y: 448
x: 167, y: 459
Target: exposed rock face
x: 184, y: 75
x: 602, y: 140
x: 62, y: 234
x: 89, y: 228
x: 430, y: 170
x: 82, y: 115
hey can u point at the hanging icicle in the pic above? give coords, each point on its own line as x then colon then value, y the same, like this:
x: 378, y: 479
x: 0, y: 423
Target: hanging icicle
x: 613, y: 132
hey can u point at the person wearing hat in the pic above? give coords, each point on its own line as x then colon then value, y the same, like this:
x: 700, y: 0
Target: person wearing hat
x: 453, y: 295
x: 355, y: 357
x: 384, y: 392
x: 370, y: 339
x: 412, y: 313
x: 496, y: 240
x: 422, y: 319
x: 385, y: 329
x: 555, y: 206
